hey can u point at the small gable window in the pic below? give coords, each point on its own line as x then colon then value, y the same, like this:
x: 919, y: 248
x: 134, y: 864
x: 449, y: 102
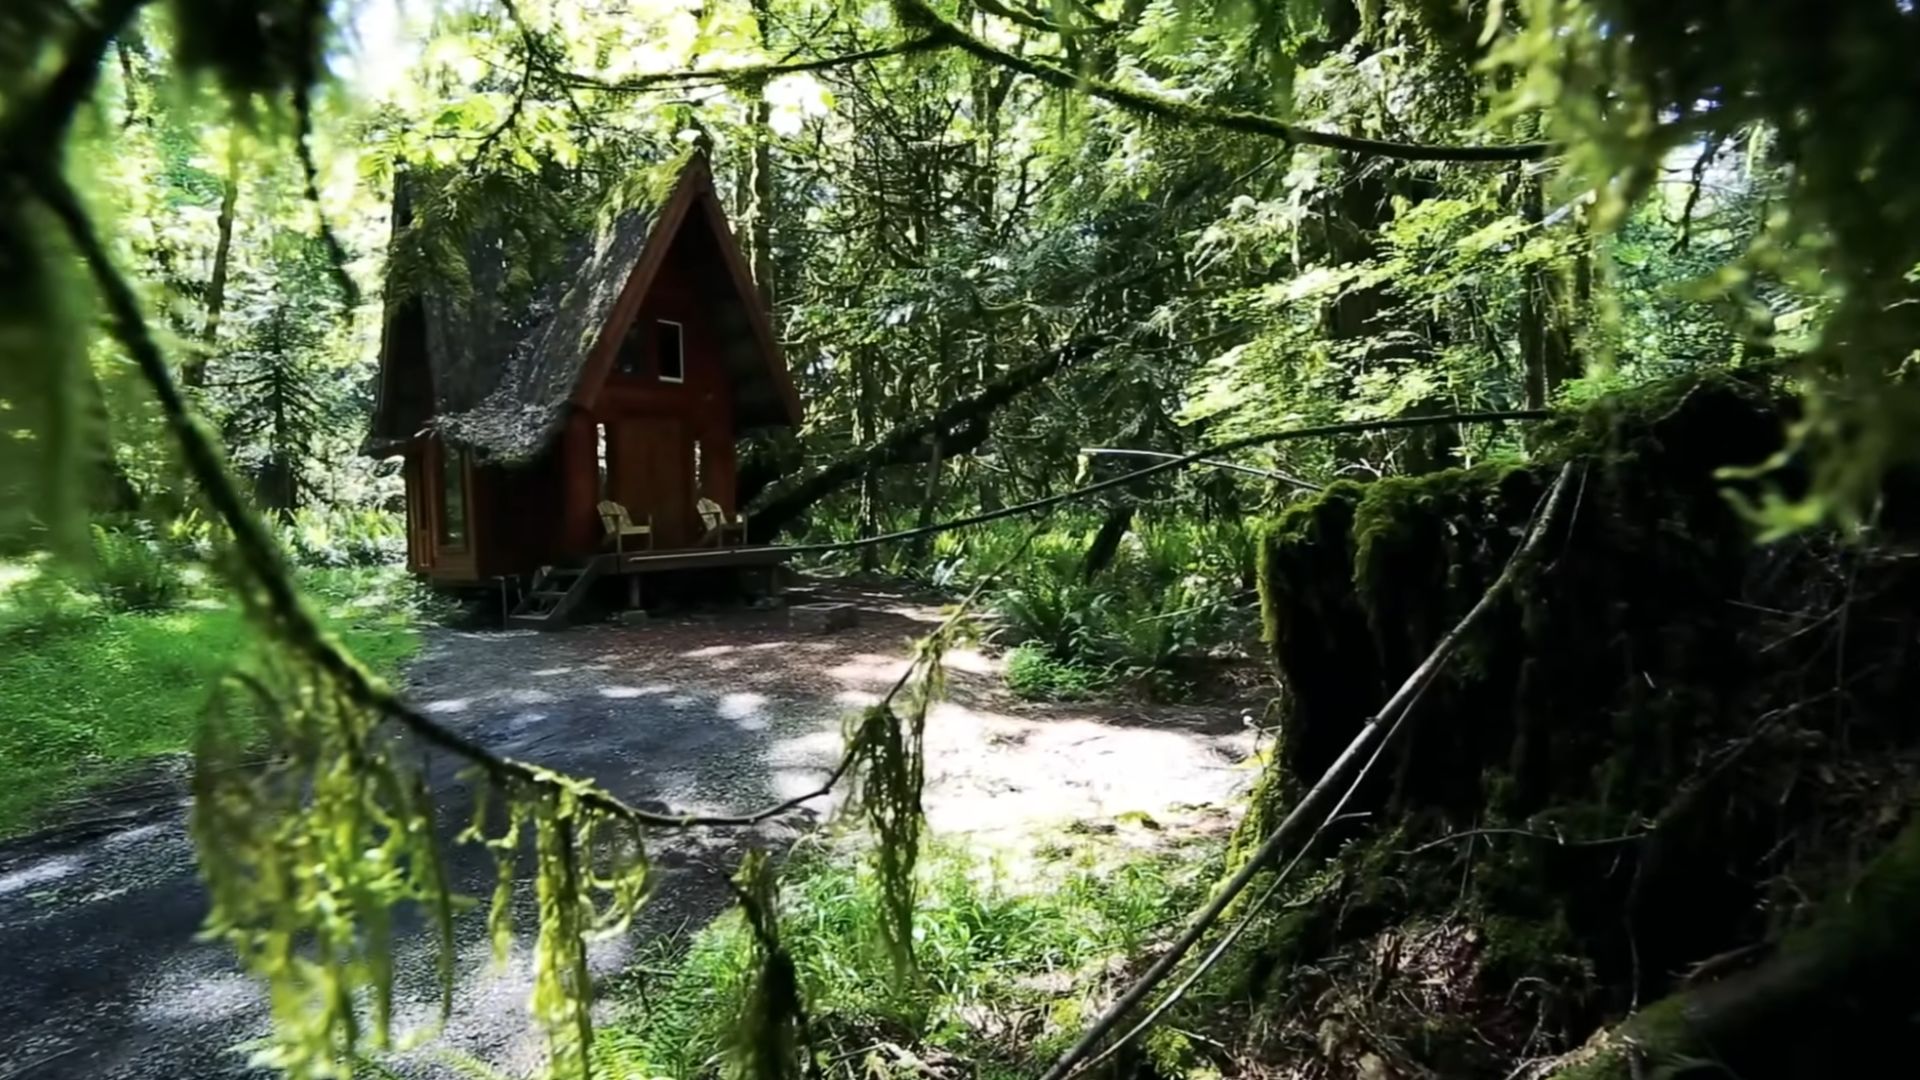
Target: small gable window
x: 669, y: 351
x: 633, y: 350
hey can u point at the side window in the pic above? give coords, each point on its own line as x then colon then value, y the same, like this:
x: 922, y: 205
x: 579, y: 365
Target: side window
x: 453, y: 497
x: 670, y: 351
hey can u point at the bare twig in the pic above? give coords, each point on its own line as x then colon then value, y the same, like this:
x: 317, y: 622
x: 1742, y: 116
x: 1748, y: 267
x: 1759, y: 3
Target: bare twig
x: 43, y: 124
x: 1309, y: 805
x: 1227, y: 940
x: 1552, y: 838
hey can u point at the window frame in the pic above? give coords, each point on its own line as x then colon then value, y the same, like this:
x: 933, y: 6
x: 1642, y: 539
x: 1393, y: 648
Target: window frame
x: 455, y: 462
x: 680, y: 335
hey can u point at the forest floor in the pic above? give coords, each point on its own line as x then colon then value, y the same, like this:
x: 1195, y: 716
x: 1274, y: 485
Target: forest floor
x: 705, y: 713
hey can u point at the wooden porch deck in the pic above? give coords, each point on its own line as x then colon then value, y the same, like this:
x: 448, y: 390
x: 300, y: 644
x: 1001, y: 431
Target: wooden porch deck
x: 649, y: 562
x: 557, y: 590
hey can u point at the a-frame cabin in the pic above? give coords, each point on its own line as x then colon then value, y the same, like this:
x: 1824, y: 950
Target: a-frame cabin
x: 627, y: 378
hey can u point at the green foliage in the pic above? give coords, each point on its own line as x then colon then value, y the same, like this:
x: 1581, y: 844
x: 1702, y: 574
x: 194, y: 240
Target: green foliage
x: 92, y: 693
x: 1034, y: 673
x: 928, y: 224
x: 991, y: 941
x: 769, y: 1038
x: 889, y: 756
x: 343, y: 537
x: 1828, y: 92
x: 1174, y: 591
x: 133, y: 573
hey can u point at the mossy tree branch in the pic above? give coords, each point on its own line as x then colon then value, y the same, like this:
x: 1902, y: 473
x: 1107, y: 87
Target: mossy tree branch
x: 747, y: 74
x: 922, y: 14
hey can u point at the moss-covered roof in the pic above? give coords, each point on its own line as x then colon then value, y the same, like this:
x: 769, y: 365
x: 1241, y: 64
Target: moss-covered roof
x: 500, y: 375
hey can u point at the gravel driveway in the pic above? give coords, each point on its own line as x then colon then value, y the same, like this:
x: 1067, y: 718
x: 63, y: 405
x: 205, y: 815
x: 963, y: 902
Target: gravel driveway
x: 103, y: 976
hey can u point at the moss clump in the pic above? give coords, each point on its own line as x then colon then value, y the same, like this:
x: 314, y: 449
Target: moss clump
x: 1597, y: 780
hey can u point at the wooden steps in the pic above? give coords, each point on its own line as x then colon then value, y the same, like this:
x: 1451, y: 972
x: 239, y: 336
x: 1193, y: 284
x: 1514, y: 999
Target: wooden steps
x: 556, y: 592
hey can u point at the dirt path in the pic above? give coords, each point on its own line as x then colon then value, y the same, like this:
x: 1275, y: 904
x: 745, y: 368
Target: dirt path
x: 104, y: 977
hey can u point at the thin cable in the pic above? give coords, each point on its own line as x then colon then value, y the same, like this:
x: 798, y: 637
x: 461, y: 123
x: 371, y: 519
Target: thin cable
x: 1268, y: 474
x: 1399, y: 423
x: 1253, y: 911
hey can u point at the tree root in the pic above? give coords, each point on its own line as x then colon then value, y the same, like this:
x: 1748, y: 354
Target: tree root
x: 1836, y: 998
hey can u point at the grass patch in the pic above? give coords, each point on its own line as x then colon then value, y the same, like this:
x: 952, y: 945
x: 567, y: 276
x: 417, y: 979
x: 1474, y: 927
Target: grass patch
x: 89, y: 690
x: 1008, y: 963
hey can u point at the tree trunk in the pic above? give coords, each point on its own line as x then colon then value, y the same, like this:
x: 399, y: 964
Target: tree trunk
x: 275, y: 484
x: 929, y: 503
x: 869, y: 493
x: 194, y: 373
x: 1546, y: 314
x: 1106, y: 542
x: 760, y: 182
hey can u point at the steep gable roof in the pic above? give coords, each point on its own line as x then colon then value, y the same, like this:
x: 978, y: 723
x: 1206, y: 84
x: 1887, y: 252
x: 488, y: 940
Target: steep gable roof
x: 500, y: 381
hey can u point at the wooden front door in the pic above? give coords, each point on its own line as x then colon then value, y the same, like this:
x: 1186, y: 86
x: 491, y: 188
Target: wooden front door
x: 652, y: 476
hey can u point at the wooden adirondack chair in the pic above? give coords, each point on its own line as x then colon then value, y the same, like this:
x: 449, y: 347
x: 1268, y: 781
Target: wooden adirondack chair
x: 620, y: 526
x: 720, y: 531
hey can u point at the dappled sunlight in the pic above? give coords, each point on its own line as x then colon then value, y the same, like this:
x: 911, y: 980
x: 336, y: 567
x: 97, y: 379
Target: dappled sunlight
x: 793, y: 783
x: 44, y: 872
x: 138, y: 835
x: 987, y: 771
x: 520, y: 722
x: 15, y: 573
x: 218, y: 996
x: 971, y: 661
x: 816, y: 749
x: 741, y: 706
x: 709, y: 652
x: 620, y: 692
x: 447, y: 705
x: 869, y: 669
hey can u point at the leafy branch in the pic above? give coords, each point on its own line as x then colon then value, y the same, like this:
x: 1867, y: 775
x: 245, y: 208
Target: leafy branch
x: 938, y: 33
x: 921, y: 13
x: 748, y: 74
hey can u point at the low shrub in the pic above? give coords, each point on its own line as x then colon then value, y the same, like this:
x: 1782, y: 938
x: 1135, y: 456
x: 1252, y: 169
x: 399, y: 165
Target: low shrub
x: 345, y: 537
x: 1035, y: 674
x: 1174, y: 591
x: 132, y: 572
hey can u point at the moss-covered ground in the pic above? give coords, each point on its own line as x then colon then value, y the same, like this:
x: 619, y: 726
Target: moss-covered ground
x: 90, y: 691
